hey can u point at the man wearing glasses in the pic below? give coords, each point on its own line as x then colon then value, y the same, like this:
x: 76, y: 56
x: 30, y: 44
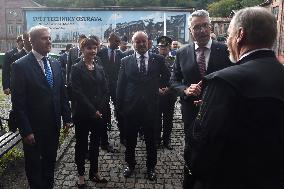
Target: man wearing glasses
x: 193, y: 62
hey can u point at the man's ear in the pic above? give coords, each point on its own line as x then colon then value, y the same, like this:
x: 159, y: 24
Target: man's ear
x: 240, y: 35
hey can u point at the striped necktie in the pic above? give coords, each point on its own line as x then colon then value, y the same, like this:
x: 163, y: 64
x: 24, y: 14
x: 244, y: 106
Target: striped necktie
x: 47, y: 71
x: 201, y: 61
x: 142, y: 65
x: 111, y: 58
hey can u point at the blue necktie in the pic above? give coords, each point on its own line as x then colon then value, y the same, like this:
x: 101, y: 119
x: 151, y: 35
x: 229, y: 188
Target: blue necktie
x: 47, y: 71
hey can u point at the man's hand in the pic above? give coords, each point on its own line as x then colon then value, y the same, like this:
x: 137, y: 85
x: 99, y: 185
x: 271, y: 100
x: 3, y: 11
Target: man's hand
x: 66, y: 127
x: 98, y: 115
x: 193, y: 89
x: 7, y: 91
x: 30, y: 139
x: 197, y: 102
x: 163, y: 91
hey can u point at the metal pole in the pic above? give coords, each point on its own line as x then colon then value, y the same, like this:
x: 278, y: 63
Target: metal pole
x: 165, y: 24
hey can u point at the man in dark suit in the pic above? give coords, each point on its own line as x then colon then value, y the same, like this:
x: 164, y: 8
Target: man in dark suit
x: 39, y: 101
x: 167, y: 97
x: 6, y: 68
x: 140, y: 77
x: 201, y: 57
x: 63, y: 61
x: 26, y: 49
x: 237, y: 139
x: 193, y: 62
x: 111, y: 58
x: 74, y: 56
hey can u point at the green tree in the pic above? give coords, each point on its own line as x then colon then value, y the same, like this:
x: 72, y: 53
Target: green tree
x: 249, y: 3
x: 223, y: 8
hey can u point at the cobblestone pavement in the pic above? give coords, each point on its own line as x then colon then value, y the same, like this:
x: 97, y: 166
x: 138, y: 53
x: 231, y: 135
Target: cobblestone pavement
x: 169, y: 168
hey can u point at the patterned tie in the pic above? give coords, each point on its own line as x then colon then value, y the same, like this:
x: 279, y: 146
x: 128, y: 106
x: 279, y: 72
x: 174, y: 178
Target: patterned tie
x: 47, y: 71
x: 142, y: 65
x: 111, y: 57
x: 201, y: 61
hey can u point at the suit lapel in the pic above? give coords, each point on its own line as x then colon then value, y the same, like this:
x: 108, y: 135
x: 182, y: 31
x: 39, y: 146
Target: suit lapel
x: 213, y: 59
x: 192, y: 58
x: 150, y: 63
x: 36, y: 67
x: 134, y: 64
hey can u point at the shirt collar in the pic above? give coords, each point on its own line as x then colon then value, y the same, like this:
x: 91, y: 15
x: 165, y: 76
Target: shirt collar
x: 146, y: 55
x: 37, y: 55
x: 248, y: 53
x: 208, y: 45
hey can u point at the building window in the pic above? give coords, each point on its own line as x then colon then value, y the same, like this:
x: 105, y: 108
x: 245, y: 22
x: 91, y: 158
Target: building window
x: 19, y: 29
x: 10, y: 29
x: 10, y: 45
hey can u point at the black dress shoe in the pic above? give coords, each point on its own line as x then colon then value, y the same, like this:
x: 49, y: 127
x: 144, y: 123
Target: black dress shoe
x: 168, y: 146
x: 151, y: 175
x: 97, y: 180
x: 128, y: 172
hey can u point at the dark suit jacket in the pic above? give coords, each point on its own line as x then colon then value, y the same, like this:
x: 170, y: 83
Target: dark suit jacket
x: 89, y: 90
x: 111, y: 69
x: 19, y: 55
x: 38, y: 107
x: 132, y: 88
x: 186, y: 72
x: 6, y: 68
x: 73, y: 58
x: 63, y: 61
x: 239, y: 134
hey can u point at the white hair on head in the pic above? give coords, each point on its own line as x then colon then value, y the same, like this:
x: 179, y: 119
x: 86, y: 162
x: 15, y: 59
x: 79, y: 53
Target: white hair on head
x: 259, y: 24
x: 199, y: 13
x: 137, y: 33
x: 33, y: 32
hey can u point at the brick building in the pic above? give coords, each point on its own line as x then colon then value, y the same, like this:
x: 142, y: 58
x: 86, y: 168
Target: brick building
x: 276, y: 7
x: 220, y: 26
x: 12, y: 21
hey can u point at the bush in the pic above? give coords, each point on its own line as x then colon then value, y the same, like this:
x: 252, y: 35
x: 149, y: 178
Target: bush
x: 11, y: 156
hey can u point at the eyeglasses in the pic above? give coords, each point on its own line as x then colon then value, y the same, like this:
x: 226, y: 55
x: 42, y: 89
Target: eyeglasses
x: 198, y: 27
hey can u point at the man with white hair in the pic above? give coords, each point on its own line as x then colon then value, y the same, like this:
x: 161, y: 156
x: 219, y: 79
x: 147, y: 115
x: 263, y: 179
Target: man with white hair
x: 193, y: 62
x: 39, y: 101
x: 237, y: 139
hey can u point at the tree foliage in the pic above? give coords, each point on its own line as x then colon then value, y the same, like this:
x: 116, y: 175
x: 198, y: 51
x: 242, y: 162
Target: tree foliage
x: 224, y: 7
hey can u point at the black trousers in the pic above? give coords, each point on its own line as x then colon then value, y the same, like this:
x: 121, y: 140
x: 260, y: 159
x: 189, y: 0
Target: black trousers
x: 107, y: 117
x: 133, y: 121
x: 82, y: 129
x: 106, y: 112
x: 165, y: 117
x: 40, y: 159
